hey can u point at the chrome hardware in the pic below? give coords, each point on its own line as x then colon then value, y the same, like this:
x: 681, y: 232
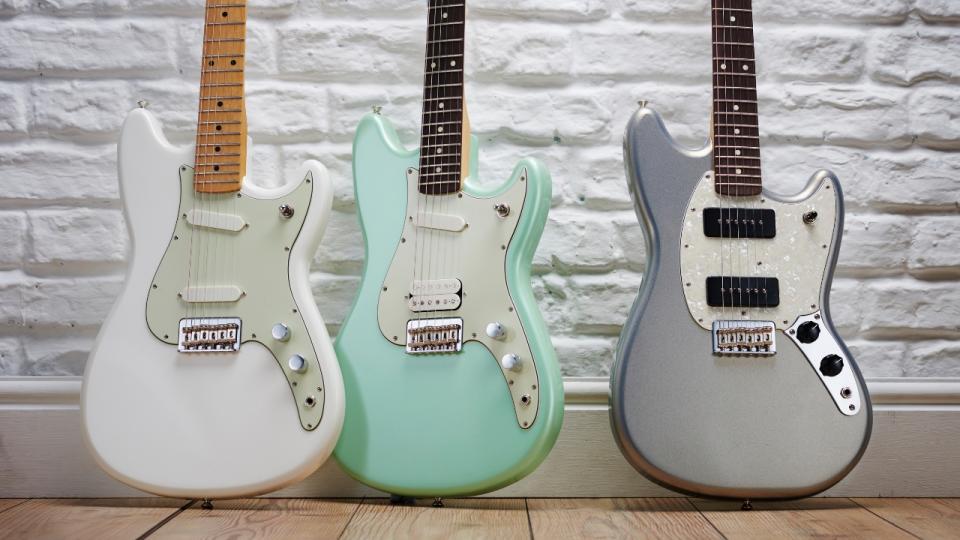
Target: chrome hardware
x: 143, y: 103
x: 511, y: 362
x: 297, y: 363
x: 829, y: 360
x: 376, y: 109
x: 209, y: 335
x: 286, y: 211
x: 642, y: 103
x: 280, y: 332
x: 496, y: 330
x: 310, y: 401
x: 744, y: 338
x: 525, y: 400
x: 425, y: 336
x: 503, y: 210
x: 810, y: 217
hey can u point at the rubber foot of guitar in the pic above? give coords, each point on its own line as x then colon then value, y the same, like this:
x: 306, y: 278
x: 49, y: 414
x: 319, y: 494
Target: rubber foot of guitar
x: 438, y: 502
x: 746, y: 505
x: 401, y: 500
x: 207, y: 504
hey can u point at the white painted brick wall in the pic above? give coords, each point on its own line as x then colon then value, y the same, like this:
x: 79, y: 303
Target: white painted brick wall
x: 868, y: 88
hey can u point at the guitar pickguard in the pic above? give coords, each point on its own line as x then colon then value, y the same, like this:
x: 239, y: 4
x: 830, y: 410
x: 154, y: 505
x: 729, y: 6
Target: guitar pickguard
x: 453, y: 251
x: 224, y: 279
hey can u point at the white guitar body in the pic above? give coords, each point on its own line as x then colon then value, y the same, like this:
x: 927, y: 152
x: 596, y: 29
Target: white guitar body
x: 212, y: 424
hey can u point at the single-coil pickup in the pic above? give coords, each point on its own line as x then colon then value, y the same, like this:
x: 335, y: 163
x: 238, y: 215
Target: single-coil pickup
x: 739, y: 223
x: 752, y: 292
x: 425, y: 336
x: 209, y: 335
x: 744, y: 338
x: 435, y: 295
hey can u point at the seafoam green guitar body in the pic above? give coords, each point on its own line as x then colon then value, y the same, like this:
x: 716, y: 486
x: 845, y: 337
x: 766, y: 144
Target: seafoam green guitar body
x: 453, y: 423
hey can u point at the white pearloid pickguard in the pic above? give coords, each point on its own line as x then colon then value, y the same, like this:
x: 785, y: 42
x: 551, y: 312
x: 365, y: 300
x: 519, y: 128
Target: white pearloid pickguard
x: 797, y: 256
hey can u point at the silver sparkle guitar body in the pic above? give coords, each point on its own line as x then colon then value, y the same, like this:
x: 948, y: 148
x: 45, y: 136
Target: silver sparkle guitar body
x: 728, y: 425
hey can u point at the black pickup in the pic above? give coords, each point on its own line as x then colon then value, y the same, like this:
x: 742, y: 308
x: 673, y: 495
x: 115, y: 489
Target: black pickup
x: 739, y: 223
x: 754, y: 292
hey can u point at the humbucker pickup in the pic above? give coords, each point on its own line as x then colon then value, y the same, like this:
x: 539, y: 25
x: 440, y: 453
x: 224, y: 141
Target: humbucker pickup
x: 739, y: 223
x: 425, y: 336
x: 744, y: 337
x: 753, y: 292
x: 209, y: 335
x: 435, y: 295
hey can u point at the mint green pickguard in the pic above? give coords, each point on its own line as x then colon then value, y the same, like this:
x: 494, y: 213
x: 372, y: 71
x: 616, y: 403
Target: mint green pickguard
x: 437, y: 425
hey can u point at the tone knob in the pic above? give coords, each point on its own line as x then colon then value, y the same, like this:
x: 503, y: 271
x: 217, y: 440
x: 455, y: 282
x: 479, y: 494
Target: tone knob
x: 511, y: 362
x: 297, y: 363
x: 831, y: 365
x: 280, y: 332
x: 808, y: 332
x: 496, y: 330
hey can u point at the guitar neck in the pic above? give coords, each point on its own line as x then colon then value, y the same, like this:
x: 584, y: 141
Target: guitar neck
x: 221, y: 150
x: 444, y: 132
x: 736, y: 135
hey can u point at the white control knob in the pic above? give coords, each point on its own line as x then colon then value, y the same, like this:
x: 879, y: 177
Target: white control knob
x: 496, y: 330
x: 510, y: 362
x: 297, y: 363
x: 280, y: 332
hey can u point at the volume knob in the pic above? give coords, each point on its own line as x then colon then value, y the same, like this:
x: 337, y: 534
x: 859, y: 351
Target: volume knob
x: 511, y: 362
x: 280, y: 332
x: 495, y: 330
x: 808, y: 332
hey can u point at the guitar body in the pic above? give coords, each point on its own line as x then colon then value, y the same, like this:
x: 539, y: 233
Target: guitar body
x: 458, y: 423
x: 732, y: 426
x: 212, y: 424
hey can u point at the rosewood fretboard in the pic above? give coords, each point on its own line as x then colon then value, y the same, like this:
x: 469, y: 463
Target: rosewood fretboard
x: 736, y: 137
x: 442, y: 145
x: 222, y: 125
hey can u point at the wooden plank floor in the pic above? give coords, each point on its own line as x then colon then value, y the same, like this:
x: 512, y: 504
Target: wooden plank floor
x: 479, y: 518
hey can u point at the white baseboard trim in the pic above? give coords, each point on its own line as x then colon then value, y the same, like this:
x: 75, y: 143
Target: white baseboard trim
x: 914, y: 451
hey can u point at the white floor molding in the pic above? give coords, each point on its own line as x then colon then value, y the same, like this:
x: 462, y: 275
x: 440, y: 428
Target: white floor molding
x: 914, y: 452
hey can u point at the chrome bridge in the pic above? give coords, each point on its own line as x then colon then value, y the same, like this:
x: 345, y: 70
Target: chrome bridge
x: 209, y: 335
x: 434, y: 336
x: 744, y: 338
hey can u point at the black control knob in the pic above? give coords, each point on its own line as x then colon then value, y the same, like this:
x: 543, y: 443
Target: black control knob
x: 831, y: 365
x: 808, y: 332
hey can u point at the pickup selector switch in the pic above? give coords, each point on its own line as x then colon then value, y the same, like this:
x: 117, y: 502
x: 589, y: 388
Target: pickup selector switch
x: 511, y: 362
x: 297, y: 363
x: 808, y: 332
x: 280, y: 332
x: 496, y: 330
x: 831, y: 365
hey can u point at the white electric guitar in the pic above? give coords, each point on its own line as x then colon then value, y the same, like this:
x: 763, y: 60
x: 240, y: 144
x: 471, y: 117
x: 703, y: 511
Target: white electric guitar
x: 214, y: 376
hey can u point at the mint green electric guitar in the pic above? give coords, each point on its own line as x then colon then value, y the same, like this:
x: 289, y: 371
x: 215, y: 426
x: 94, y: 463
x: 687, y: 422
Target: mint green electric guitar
x: 452, y: 385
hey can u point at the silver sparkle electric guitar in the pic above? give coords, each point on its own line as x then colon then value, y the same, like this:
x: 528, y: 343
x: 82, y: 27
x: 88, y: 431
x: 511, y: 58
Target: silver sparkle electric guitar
x: 730, y: 379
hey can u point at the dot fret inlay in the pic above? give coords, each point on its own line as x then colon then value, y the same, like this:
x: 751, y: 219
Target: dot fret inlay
x: 221, y: 128
x: 736, y: 137
x: 442, y: 125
